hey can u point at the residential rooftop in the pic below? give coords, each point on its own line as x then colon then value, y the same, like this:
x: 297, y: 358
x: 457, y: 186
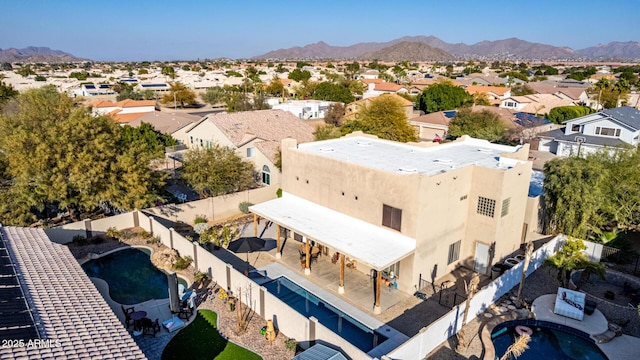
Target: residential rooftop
x: 402, y: 158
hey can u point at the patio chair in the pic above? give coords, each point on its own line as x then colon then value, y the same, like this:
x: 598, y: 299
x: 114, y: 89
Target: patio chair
x: 150, y: 327
x: 127, y: 315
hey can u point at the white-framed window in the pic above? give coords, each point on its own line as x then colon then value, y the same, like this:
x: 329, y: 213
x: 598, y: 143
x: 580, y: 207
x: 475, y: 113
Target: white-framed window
x: 250, y: 152
x: 486, y: 206
x: 454, y: 252
x: 266, y: 175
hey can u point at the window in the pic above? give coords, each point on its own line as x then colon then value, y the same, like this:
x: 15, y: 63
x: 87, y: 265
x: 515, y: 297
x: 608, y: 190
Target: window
x: 191, y: 139
x: 250, y: 152
x: 505, y: 207
x: 617, y: 132
x: 606, y: 131
x: 201, y: 143
x: 486, y: 206
x: 391, y: 217
x: 208, y: 143
x: 392, y: 270
x: 454, y: 252
x: 266, y: 175
x: 575, y: 127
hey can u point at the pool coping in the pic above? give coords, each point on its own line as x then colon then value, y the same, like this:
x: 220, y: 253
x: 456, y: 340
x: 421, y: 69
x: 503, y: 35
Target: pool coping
x: 394, y: 338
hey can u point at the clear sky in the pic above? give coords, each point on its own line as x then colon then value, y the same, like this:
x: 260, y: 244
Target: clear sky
x: 170, y: 30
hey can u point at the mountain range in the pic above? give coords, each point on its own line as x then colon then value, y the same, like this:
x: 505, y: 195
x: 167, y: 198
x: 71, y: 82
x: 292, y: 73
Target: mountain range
x: 36, y: 54
x: 511, y: 48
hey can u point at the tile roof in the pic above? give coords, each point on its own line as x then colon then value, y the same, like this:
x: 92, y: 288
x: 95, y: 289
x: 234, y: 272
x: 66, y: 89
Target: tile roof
x: 68, y: 309
x: 437, y: 118
x: 626, y: 115
x: 386, y: 86
x: 269, y: 127
x: 164, y: 122
x: 123, y: 104
x: 372, y: 81
x: 498, y: 90
x: 127, y: 117
x: 558, y: 135
x: 547, y: 88
x: 541, y: 103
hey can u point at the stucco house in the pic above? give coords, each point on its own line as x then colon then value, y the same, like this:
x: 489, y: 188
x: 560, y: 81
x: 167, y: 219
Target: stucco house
x: 124, y: 111
x: 403, y: 211
x: 305, y: 109
x: 580, y: 136
x: 536, y: 103
x: 377, y: 89
x: 254, y: 135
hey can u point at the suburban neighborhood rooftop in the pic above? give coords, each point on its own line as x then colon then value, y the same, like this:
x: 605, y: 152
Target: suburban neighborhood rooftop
x: 410, y: 159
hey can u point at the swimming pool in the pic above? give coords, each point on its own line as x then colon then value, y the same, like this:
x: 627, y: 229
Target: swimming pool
x: 131, y: 276
x: 308, y: 305
x: 548, y: 341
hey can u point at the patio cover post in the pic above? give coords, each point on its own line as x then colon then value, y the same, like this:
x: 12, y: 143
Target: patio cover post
x: 307, y: 269
x: 341, y: 287
x: 278, y: 253
x: 376, y: 308
x: 255, y: 225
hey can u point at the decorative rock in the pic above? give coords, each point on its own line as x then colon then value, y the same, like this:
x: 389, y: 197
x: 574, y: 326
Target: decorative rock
x: 488, y: 315
x: 511, y: 307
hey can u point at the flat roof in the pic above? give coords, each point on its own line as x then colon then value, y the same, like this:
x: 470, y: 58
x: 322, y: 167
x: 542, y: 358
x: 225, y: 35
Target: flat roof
x: 410, y: 159
x: 372, y: 245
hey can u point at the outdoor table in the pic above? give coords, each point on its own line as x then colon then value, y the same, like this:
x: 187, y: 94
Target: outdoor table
x: 136, y: 317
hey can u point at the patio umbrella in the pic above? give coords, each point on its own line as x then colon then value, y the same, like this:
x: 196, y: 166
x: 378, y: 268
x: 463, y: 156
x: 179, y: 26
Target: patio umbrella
x: 246, y: 245
x: 174, y: 298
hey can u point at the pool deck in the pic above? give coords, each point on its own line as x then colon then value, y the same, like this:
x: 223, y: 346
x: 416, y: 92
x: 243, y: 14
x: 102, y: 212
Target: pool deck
x: 623, y: 347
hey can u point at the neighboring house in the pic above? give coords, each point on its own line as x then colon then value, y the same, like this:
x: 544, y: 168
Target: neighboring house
x: 255, y: 135
x: 492, y: 92
x: 174, y: 124
x: 418, y: 86
x: 158, y: 88
x: 377, y: 89
x: 351, y: 110
x: 608, y: 128
x: 93, y: 90
x: 124, y: 111
x: 370, y: 74
x: 305, y: 109
x: 536, y: 103
x: 404, y: 211
x: 48, y: 299
x: 576, y: 94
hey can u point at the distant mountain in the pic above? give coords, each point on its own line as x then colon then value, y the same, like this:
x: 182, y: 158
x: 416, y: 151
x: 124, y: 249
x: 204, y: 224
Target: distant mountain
x: 411, y: 51
x: 36, y: 54
x: 499, y: 49
x: 613, y: 50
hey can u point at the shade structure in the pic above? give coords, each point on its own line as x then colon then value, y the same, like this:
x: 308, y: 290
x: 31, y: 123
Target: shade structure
x: 246, y: 245
x: 174, y: 298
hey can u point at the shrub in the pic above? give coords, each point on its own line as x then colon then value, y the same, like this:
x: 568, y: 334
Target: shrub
x: 79, y: 240
x: 112, y: 232
x: 291, y: 344
x: 279, y: 192
x: 154, y: 240
x: 97, y: 239
x: 145, y: 234
x: 127, y: 234
x: 244, y: 207
x: 201, y: 228
x: 182, y: 262
x: 200, y: 277
x: 200, y: 219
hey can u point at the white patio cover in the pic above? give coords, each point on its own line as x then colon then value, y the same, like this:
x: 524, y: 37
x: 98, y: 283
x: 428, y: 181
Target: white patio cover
x: 372, y: 245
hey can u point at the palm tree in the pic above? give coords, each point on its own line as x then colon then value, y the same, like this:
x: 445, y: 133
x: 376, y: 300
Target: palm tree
x: 518, y: 347
x: 570, y: 258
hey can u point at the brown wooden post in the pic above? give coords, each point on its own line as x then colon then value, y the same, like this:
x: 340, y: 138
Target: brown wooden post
x: 341, y: 287
x: 255, y: 225
x: 308, y: 256
x: 278, y: 239
x: 376, y: 308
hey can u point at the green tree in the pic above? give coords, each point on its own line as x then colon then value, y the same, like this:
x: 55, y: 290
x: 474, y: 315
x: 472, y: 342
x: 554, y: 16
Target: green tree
x: 608, y: 94
x: 169, y: 71
x: 384, y: 117
x: 520, y: 90
x: 25, y: 71
x: 179, y: 94
x: 58, y: 155
x: 333, y: 92
x: 129, y: 93
x: 143, y: 72
x: 439, y: 97
x: 563, y: 113
x: 275, y: 87
x: 217, y: 171
x: 570, y: 258
x: 214, y: 95
x: 573, y: 194
x: 478, y: 124
x: 299, y: 75
x: 351, y: 70
x: 80, y: 75
x: 6, y: 92
x: 326, y: 132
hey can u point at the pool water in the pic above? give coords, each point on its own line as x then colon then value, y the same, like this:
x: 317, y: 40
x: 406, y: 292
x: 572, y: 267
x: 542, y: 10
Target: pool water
x: 131, y: 276
x: 549, y: 341
x: 309, y: 305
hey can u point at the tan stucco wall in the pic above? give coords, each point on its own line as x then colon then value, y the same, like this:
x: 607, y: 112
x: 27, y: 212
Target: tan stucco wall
x: 434, y: 209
